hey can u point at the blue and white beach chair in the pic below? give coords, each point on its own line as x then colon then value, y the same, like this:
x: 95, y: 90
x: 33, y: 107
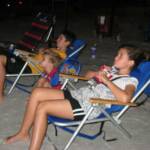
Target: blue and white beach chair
x: 113, y: 114
x: 71, y: 63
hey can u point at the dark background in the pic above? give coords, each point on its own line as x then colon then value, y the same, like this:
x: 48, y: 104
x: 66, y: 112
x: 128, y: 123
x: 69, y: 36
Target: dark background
x: 27, y: 7
x: 130, y: 17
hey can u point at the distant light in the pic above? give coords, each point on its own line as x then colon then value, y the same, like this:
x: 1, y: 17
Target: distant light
x: 8, y: 5
x: 20, y: 2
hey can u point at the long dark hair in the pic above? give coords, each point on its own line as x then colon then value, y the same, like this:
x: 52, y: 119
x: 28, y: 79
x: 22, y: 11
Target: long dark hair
x: 69, y: 35
x: 134, y: 53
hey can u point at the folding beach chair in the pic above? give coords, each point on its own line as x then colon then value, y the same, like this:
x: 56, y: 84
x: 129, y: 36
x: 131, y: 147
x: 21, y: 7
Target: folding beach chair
x: 38, y: 35
x: 113, y: 114
x: 70, y: 63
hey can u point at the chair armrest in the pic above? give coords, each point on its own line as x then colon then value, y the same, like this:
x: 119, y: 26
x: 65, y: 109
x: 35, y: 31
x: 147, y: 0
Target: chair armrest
x: 72, y: 76
x: 30, y: 59
x: 106, y: 101
x: 24, y: 53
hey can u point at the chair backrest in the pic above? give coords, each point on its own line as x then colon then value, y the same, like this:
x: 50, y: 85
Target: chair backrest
x: 70, y: 65
x: 147, y: 91
x: 67, y: 67
x: 41, y: 27
x: 142, y: 73
x: 75, y: 48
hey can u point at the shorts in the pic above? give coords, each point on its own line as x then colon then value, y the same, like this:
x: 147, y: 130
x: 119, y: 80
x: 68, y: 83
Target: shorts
x: 14, y: 64
x: 77, y: 110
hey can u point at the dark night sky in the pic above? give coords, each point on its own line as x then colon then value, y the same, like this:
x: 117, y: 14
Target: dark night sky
x: 78, y: 6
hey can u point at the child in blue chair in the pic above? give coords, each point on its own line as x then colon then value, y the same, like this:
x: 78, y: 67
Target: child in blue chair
x: 64, y: 40
x: 73, y: 105
x: 50, y: 64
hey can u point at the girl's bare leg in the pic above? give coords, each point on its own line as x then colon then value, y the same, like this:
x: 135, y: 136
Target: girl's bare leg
x: 38, y: 95
x: 42, y: 82
x: 46, y: 84
x: 59, y: 108
x: 3, y: 60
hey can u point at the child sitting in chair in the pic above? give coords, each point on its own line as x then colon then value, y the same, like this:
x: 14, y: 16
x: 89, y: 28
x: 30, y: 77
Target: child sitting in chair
x: 50, y: 64
x: 12, y: 64
x: 63, y: 41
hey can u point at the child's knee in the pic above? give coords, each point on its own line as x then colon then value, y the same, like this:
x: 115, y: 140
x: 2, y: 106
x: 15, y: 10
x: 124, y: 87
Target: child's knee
x: 41, y: 109
x: 3, y: 59
x: 36, y: 93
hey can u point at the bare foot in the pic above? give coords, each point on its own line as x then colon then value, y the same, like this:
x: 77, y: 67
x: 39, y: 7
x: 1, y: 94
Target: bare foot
x: 16, y: 138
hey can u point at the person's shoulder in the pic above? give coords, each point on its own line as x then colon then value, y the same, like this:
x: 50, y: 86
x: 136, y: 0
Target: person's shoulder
x: 132, y: 80
x: 61, y: 53
x: 126, y: 80
x: 54, y: 49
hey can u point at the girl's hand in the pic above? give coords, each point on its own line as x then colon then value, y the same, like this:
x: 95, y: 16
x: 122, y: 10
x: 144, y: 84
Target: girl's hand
x: 91, y: 74
x: 104, y: 68
x: 102, y: 77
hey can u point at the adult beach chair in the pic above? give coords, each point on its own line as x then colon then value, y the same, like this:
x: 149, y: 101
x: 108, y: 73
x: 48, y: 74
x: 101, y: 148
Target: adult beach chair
x: 113, y: 114
x: 71, y: 63
x: 38, y: 35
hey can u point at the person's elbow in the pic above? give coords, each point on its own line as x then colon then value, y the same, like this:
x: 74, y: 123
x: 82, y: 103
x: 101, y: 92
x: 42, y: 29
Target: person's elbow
x: 126, y: 98
x: 127, y: 94
x: 90, y: 74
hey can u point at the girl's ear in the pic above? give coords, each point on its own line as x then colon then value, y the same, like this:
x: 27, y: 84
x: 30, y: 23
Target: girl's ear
x: 68, y: 43
x: 132, y: 63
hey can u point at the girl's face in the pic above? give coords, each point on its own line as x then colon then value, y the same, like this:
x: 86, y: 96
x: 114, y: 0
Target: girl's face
x: 47, y: 64
x: 61, y: 42
x: 122, y: 60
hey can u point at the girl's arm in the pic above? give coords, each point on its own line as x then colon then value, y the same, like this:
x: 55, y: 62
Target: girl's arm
x: 91, y: 74
x: 121, y: 95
